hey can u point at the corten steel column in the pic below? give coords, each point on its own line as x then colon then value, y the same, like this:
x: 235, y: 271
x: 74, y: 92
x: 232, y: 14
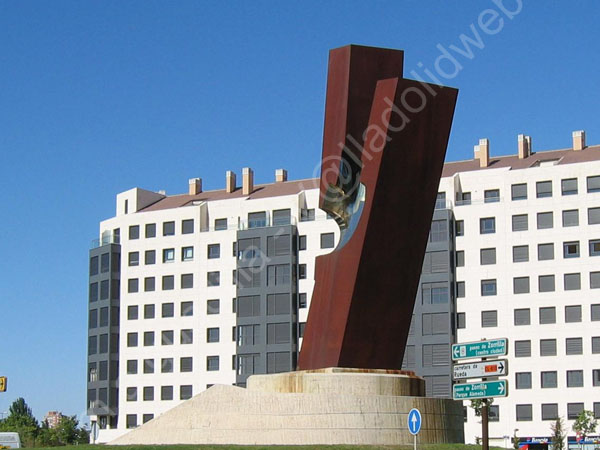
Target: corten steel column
x: 384, y: 144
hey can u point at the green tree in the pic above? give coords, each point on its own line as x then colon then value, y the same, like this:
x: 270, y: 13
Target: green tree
x: 585, y: 424
x: 20, y: 420
x: 477, y: 405
x: 558, y: 434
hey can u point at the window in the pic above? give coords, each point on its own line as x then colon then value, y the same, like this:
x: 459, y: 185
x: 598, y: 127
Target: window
x: 547, y: 347
x: 186, y: 364
x: 185, y: 392
x: 131, y: 421
x: 278, y: 362
x: 594, y: 246
x: 574, y: 378
x: 574, y: 346
x: 94, y: 268
x: 519, y: 191
x: 132, y: 312
x: 149, y: 284
x: 595, y: 312
x: 435, y: 323
x: 282, y: 217
x: 168, y: 255
x: 131, y: 394
x: 103, y: 344
x: 186, y: 336
x: 573, y: 313
x: 168, y: 228
x: 150, y: 257
x: 461, y: 320
x: 519, y: 222
x: 487, y: 225
x: 549, y: 380
x: 166, y: 365
x: 460, y: 289
x: 168, y: 310
x: 93, y: 344
x: 168, y: 282
x: 436, y: 355
x: 546, y: 283
x: 547, y: 315
x: 549, y: 411
x: 148, y: 366
x: 93, y: 319
x: 543, y: 189
x: 593, y: 216
x: 278, y: 275
x: 463, y: 198
x: 489, y: 319
x: 487, y: 256
x: 595, y: 345
x: 520, y: 253
x: 132, y: 285
x: 187, y: 281
x: 214, y: 251
x: 523, y: 380
x: 278, y: 245
x: 569, y: 186
x: 212, y: 335
x: 166, y: 392
x: 150, y: 230
x: 248, y: 306
x: 134, y: 258
x: 440, y: 201
x: 570, y: 218
x: 435, y: 293
x: 302, y: 242
x: 488, y: 287
x: 134, y: 232
x: 213, y: 279
x: 212, y: 363
x: 596, y: 377
x: 167, y: 337
x: 132, y: 339
x: 494, y: 413
x: 572, y: 281
x: 491, y: 196
x: 522, y: 316
x: 571, y: 249
x: 302, y: 301
x: 327, y: 240
x: 459, y: 227
x: 545, y: 220
x: 147, y: 417
x: 187, y: 253
x: 148, y: 311
x: 522, y: 349
x: 593, y: 184
x: 521, y: 285
x: 307, y: 215
x: 524, y: 413
x: 187, y: 226
x: 597, y: 410
x: 278, y: 333
x: 573, y: 410
x: 460, y: 258
x: 257, y: 219
x: 148, y: 338
x: 104, y: 290
x: 438, y: 231
x: 148, y: 393
x: 220, y: 224
x: 94, y: 292
x: 545, y: 252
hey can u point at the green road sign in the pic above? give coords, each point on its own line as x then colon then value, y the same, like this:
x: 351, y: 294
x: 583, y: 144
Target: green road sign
x: 481, y: 349
x: 483, y: 389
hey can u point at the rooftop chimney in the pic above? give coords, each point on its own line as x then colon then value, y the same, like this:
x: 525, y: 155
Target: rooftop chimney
x: 578, y: 140
x: 247, y: 181
x: 229, y: 181
x: 280, y: 176
x: 195, y: 186
x: 482, y: 152
x: 524, y: 146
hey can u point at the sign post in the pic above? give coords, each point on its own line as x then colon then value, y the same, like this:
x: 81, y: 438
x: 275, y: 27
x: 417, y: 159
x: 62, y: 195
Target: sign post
x: 414, y: 424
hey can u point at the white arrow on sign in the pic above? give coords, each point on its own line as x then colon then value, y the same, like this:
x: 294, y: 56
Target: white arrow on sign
x: 480, y: 369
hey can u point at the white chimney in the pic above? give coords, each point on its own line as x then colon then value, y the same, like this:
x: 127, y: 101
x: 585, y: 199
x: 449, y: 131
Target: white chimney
x: 482, y: 152
x: 280, y: 176
x: 247, y: 181
x: 524, y: 146
x: 229, y: 181
x: 578, y: 140
x: 195, y: 186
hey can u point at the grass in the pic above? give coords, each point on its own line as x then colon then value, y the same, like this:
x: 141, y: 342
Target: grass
x: 270, y: 447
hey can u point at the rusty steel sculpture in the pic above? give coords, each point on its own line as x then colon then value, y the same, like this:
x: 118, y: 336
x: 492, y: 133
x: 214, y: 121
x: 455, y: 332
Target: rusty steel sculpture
x: 384, y: 144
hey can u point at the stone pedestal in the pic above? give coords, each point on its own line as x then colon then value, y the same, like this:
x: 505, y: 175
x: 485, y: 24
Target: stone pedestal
x: 328, y: 406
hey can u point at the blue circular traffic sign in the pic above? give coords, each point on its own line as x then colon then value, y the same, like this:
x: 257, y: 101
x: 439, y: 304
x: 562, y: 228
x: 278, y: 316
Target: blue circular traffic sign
x: 414, y: 421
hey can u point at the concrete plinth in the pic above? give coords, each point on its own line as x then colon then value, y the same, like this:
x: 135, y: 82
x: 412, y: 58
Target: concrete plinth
x: 329, y: 406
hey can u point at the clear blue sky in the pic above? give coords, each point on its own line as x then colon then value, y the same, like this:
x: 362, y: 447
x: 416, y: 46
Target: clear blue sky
x: 97, y: 97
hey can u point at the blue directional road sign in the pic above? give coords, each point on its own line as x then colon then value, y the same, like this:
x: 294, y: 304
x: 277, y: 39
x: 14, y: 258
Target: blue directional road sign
x: 414, y: 421
x: 481, y: 349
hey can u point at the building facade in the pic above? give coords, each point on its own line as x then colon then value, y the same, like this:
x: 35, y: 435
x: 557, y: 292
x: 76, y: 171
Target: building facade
x: 210, y: 287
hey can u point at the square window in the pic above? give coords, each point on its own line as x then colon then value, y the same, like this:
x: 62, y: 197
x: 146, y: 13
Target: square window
x: 489, y: 319
x: 131, y: 421
x: 521, y: 285
x: 186, y: 364
x: 522, y: 349
x: 167, y: 337
x: 494, y: 413
x: 212, y: 335
x: 523, y: 380
x: 187, y: 309
x: 150, y: 230
x: 487, y: 256
x: 520, y: 253
x: 460, y: 289
x: 213, y: 306
x: 572, y: 281
x: 463, y: 198
x: 524, y: 413
x: 593, y: 216
x: 132, y: 339
x: 545, y: 252
x: 549, y: 411
x: 307, y: 215
x: 166, y: 392
x: 459, y: 227
x: 187, y: 281
x: 519, y: 191
x: 547, y: 315
x: 545, y: 220
x: 596, y: 377
x: 148, y: 366
x: 593, y: 184
x: 491, y: 196
x: 168, y: 310
x: 573, y: 313
x: 569, y: 186
x: 148, y: 338
x: 549, y: 380
x: 168, y: 255
x: 520, y: 222
x: 547, y: 347
x: 166, y: 365
x: 186, y: 336
x: 595, y: 345
x: 185, y: 392
x: 132, y: 312
x: 461, y: 320
x: 594, y: 245
x: 257, y: 219
x: 302, y: 271
x: 147, y: 417
x: 574, y: 346
x: 327, y: 240
x: 460, y: 258
x: 488, y: 288
x: 546, y: 283
x: 282, y: 217
x: 278, y: 245
x: 168, y: 282
x: 148, y: 311
x: 487, y: 225
x: 187, y: 226
x: 150, y: 257
x: 440, y: 201
x: 213, y: 279
x: 438, y: 231
x: 149, y: 284
x: 214, y: 251
x: 574, y: 378
x: 134, y: 258
x: 187, y: 253
x: 595, y: 312
x: 220, y: 224
x: 132, y: 285
x: 132, y: 366
x: 543, y: 189
x: 148, y: 393
x: 134, y: 232
x: 573, y: 410
x: 212, y: 363
x: 302, y: 242
x: 168, y: 228
x: 570, y: 218
x: 571, y: 249
x: 302, y: 301
x: 522, y: 317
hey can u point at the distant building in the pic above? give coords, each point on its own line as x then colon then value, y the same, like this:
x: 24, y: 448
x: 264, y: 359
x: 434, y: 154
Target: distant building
x: 53, y: 418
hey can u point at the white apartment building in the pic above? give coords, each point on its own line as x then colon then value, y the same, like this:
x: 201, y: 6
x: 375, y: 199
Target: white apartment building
x: 209, y: 287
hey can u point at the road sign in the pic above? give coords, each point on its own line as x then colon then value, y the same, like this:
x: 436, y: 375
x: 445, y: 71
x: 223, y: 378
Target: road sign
x: 480, y: 369
x: 481, y: 349
x: 483, y: 389
x: 3, y: 384
x: 414, y: 421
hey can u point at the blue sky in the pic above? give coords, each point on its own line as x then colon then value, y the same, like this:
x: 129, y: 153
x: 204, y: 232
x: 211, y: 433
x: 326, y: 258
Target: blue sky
x: 98, y: 97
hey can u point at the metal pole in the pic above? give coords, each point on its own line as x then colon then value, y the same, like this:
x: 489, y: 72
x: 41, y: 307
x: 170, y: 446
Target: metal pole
x: 484, y: 426
x: 415, y: 441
